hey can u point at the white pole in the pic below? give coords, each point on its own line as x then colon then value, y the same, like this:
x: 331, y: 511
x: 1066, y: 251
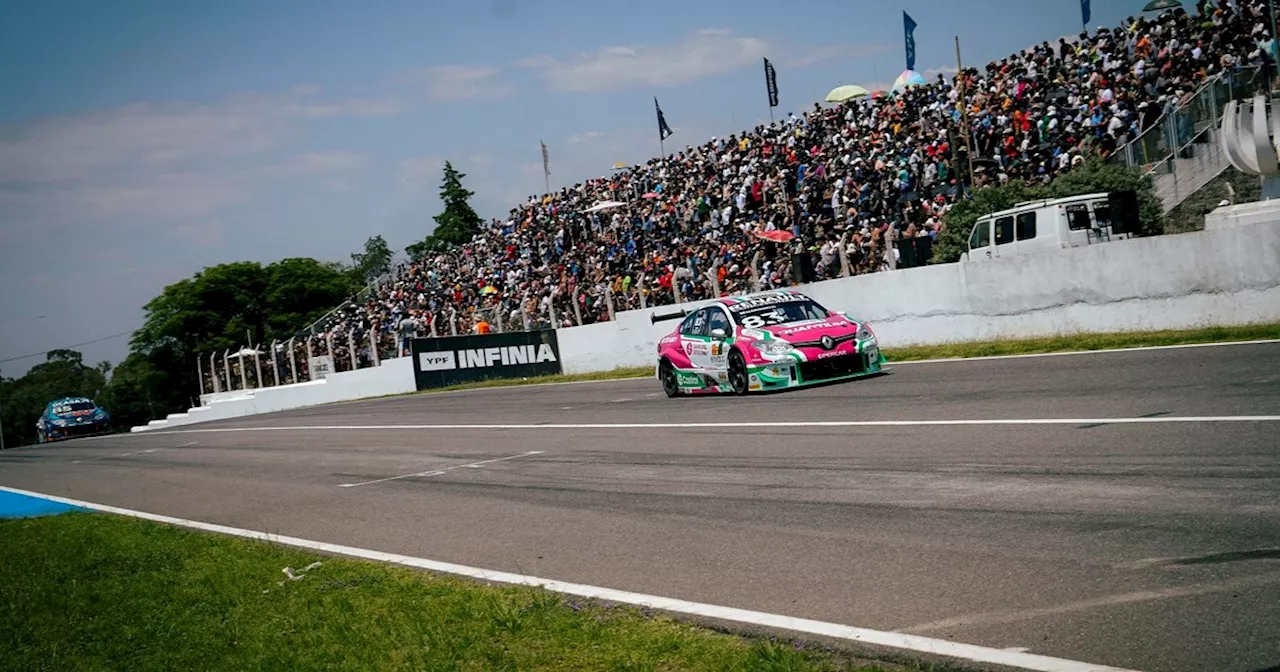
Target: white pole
x: 244, y: 377
x: 200, y: 374
x: 453, y: 320
x: 226, y: 367
x: 373, y: 348
x: 577, y: 309
x: 275, y: 365
x: 351, y: 349
x: 608, y: 301
x: 213, y: 372
x: 309, y: 357
x: 293, y: 363
x: 257, y: 365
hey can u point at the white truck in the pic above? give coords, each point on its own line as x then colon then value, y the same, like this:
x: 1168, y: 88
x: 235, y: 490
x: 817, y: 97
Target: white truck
x: 1038, y: 226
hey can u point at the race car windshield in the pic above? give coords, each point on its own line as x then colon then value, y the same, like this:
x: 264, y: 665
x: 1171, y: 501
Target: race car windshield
x: 73, y: 407
x: 781, y: 313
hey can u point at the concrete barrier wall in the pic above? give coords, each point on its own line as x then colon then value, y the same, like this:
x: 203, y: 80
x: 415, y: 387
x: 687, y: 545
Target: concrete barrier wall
x: 394, y: 376
x: 1223, y: 276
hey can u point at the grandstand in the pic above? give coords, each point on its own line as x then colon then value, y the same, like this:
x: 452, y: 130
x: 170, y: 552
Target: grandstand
x: 861, y: 187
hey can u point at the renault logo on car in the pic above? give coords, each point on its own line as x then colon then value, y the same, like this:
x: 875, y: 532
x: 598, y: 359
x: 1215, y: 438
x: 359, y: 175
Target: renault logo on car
x: 827, y: 342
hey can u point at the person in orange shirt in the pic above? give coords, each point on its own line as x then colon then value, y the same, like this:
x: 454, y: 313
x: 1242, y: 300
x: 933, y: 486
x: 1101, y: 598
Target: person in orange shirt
x: 482, y: 327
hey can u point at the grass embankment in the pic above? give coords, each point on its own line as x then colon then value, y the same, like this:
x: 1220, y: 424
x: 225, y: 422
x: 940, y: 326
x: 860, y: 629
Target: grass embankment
x: 91, y: 591
x: 1030, y: 346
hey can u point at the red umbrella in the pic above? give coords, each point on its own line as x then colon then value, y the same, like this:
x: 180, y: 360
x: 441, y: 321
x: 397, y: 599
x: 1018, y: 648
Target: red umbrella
x: 651, y: 194
x: 777, y: 235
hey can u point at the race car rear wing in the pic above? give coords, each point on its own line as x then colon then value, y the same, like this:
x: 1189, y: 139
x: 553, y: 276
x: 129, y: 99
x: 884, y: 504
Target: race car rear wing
x: 655, y: 318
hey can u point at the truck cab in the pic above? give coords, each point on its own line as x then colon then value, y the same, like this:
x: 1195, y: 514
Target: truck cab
x: 1051, y: 224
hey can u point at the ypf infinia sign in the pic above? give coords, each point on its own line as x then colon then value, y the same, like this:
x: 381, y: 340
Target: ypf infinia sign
x: 459, y: 359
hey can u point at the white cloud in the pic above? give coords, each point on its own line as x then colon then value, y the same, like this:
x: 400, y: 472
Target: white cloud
x: 703, y: 53
x: 317, y: 163
x: 451, y: 83
x: 579, y: 138
x: 146, y: 137
x: 421, y: 172
x: 806, y: 56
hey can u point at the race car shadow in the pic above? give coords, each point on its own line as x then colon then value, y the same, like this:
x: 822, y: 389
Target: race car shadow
x: 785, y: 390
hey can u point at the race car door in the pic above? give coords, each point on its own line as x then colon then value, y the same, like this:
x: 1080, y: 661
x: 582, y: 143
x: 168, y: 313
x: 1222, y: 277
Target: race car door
x: 719, y: 330
x: 695, y: 341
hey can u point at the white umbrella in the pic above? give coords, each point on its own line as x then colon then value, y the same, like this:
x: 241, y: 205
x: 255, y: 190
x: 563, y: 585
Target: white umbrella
x: 604, y: 205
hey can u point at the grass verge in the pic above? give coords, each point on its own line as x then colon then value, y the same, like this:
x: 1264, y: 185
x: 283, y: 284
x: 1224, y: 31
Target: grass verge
x: 85, y: 591
x: 1068, y: 343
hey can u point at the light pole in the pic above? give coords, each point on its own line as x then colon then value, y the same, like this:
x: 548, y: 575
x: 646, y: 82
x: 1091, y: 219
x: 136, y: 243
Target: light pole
x: 1, y: 428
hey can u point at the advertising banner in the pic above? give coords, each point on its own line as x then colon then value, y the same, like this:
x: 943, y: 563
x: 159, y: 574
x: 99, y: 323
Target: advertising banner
x: 438, y: 362
x: 320, y: 367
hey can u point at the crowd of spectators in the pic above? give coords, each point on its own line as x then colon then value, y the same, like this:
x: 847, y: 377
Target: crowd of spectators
x: 844, y: 183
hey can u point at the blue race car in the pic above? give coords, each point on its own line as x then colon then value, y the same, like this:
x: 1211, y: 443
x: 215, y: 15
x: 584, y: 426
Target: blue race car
x: 71, y: 417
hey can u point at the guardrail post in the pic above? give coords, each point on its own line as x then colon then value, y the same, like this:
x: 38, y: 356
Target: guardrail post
x: 675, y: 286
x: 756, y: 283
x: 608, y: 302
x: 577, y: 308
x: 275, y: 364
x: 200, y: 373
x: 844, y: 255
x: 226, y: 366
x: 257, y: 365
x: 524, y: 311
x: 551, y: 309
x: 213, y: 372
x: 293, y: 363
x: 328, y: 341
x: 244, y: 376
x: 714, y: 276
x: 641, y: 290
x: 310, y: 356
x: 373, y: 348
x: 497, y: 317
x: 351, y: 349
x: 453, y: 320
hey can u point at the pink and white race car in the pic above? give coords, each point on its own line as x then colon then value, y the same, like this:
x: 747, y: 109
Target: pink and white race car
x: 765, y: 341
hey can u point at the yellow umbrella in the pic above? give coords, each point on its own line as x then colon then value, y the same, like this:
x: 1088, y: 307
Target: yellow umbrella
x: 847, y: 92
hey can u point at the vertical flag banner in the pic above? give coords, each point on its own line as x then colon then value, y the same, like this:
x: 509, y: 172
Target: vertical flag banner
x: 546, y: 160
x: 909, y: 34
x: 1085, y: 11
x: 771, y: 82
x: 664, y: 131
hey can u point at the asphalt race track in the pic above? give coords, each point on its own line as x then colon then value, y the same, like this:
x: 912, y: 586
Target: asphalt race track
x: 1149, y: 544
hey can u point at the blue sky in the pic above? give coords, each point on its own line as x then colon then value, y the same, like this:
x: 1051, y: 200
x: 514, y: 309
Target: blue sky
x: 142, y: 141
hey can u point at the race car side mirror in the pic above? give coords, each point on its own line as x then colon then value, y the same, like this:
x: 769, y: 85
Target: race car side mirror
x: 718, y: 333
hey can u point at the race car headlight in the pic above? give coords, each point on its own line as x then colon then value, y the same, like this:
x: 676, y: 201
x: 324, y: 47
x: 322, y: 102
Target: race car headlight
x: 864, y: 333
x: 774, y: 348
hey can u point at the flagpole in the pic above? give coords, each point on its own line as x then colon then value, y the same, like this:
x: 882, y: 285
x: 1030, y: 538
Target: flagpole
x: 964, y: 110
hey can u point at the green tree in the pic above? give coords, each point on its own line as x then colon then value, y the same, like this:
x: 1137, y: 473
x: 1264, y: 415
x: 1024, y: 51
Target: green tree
x: 218, y: 309
x: 459, y: 223
x: 427, y: 246
x: 1095, y: 176
x: 374, y: 262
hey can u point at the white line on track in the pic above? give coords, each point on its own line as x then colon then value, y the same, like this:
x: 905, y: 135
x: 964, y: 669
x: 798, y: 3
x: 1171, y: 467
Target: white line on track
x: 895, y: 640
x: 756, y: 425
x: 443, y: 470
x: 136, y: 452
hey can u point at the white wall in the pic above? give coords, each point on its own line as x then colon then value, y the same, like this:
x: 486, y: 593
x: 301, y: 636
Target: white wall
x: 1223, y: 276
x: 394, y: 376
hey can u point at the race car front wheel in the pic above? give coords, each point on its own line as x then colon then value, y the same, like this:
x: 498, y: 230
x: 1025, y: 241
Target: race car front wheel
x: 737, y: 373
x: 668, y: 375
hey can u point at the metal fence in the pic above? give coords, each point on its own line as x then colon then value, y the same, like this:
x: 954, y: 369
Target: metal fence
x: 1171, y: 138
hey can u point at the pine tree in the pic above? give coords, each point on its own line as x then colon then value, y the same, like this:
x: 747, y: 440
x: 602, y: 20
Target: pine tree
x: 459, y: 223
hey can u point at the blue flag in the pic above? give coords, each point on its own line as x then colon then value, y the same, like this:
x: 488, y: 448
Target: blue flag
x: 909, y: 32
x: 664, y: 131
x: 1085, y: 12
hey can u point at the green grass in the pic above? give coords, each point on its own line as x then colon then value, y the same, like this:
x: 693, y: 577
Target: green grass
x: 1084, y: 342
x: 1064, y: 343
x: 95, y: 592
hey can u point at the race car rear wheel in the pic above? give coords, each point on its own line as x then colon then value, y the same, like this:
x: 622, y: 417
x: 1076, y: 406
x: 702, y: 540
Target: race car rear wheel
x: 738, y: 373
x: 669, y: 383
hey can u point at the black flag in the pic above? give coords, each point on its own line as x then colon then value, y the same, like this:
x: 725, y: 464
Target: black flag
x: 664, y: 131
x: 771, y: 82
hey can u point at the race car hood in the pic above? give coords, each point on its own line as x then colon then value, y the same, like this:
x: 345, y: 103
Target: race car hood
x: 813, y: 330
